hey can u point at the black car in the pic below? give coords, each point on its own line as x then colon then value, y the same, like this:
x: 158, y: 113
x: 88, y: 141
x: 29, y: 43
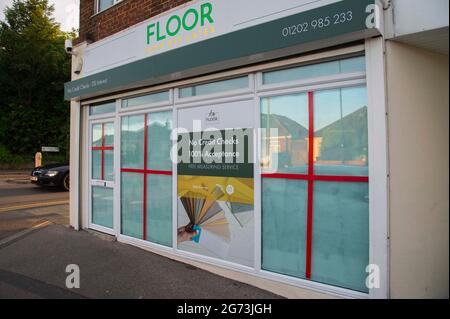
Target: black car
x: 52, y: 175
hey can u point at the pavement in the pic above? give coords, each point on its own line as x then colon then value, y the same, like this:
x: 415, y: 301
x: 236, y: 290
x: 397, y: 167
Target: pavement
x: 36, y: 246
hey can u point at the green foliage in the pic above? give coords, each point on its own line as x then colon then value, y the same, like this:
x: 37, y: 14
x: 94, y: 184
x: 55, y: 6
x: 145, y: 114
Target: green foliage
x: 33, y: 70
x: 7, y: 157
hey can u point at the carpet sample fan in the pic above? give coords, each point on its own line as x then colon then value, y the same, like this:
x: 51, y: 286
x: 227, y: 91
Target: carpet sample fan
x: 205, y: 214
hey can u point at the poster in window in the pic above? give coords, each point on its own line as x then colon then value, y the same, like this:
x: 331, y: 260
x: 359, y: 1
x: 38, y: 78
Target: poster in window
x: 216, y: 185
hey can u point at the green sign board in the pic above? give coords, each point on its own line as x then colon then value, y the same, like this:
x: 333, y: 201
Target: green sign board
x: 343, y: 21
x: 217, y: 153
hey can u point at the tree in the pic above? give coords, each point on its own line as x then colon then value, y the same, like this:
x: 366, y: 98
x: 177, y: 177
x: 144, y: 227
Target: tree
x: 33, y: 69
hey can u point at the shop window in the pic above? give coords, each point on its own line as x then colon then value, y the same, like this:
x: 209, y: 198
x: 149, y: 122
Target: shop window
x: 340, y: 122
x: 340, y: 234
x: 147, y: 177
x: 146, y: 99
x: 103, y: 151
x: 284, y: 226
x: 344, y: 66
x: 132, y: 200
x: 159, y: 209
x: 285, y: 151
x: 315, y: 214
x: 132, y: 141
x: 215, y: 87
x: 102, y: 108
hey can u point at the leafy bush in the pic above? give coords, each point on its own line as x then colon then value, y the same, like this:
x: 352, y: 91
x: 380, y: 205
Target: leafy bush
x: 33, y: 69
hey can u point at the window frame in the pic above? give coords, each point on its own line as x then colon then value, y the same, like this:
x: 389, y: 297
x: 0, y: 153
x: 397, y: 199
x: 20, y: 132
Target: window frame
x: 299, y: 87
x: 146, y: 106
x: 97, y: 6
x: 213, y: 96
x: 311, y: 177
x: 375, y: 82
x: 144, y: 111
x: 101, y: 115
x: 109, y: 118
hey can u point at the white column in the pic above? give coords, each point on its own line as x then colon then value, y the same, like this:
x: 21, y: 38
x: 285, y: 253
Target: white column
x: 75, y: 117
x: 378, y: 164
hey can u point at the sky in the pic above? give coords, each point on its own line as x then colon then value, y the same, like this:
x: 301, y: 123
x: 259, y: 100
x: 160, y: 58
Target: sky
x: 66, y: 12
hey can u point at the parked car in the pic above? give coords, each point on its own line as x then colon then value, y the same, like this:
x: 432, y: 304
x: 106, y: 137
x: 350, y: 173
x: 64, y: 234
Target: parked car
x: 51, y: 175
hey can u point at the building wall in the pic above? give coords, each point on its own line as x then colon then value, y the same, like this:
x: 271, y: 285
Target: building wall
x: 119, y: 17
x: 412, y: 16
x: 418, y: 107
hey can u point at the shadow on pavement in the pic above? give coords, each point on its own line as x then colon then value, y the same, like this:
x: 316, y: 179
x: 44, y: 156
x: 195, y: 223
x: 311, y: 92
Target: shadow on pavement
x: 26, y: 286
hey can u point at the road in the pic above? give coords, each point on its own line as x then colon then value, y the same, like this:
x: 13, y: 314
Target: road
x: 24, y: 206
x: 36, y: 246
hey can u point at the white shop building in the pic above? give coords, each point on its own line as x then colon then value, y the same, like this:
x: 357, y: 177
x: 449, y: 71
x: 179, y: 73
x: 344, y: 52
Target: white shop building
x: 342, y: 170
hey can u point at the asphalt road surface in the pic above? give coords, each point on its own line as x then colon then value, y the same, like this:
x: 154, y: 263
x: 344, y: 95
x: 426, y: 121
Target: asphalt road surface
x: 36, y: 246
x: 24, y: 205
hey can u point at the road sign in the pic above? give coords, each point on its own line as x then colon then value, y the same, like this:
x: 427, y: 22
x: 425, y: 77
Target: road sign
x: 50, y: 149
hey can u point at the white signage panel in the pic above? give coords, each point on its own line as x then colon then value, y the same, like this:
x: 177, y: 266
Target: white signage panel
x: 188, y: 24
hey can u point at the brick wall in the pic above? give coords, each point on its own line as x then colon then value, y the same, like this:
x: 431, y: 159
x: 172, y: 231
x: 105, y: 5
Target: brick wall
x: 119, y: 17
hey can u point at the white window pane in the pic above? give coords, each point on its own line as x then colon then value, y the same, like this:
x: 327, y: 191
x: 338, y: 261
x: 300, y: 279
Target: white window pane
x: 159, y: 209
x: 341, y: 132
x: 146, y: 99
x: 102, y: 206
x: 132, y: 200
x: 105, y: 4
x: 315, y: 70
x: 103, y: 108
x: 159, y: 128
x: 97, y: 135
x: 132, y: 141
x: 340, y: 249
x: 284, y: 226
x: 284, y: 147
x: 97, y: 165
x: 215, y: 87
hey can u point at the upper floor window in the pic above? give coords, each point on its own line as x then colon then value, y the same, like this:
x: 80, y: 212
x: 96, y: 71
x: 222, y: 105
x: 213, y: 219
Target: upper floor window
x: 102, y: 5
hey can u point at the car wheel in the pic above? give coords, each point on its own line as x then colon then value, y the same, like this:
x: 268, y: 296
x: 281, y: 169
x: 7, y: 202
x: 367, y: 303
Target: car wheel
x: 66, y: 182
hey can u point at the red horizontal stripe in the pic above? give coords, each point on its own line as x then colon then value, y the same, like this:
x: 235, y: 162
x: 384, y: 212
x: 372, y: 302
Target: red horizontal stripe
x: 143, y: 171
x: 156, y: 172
x: 320, y: 178
x: 102, y: 148
x: 352, y: 179
x: 286, y: 176
x: 132, y: 170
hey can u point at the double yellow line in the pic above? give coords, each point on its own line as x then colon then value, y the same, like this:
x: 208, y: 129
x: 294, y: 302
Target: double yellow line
x: 32, y: 205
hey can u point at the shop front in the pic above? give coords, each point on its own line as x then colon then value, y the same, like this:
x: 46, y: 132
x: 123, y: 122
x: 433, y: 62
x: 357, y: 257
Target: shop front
x: 260, y: 150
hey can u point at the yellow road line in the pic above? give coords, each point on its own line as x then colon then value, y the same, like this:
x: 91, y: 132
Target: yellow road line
x: 15, y: 176
x: 32, y: 205
x: 23, y: 233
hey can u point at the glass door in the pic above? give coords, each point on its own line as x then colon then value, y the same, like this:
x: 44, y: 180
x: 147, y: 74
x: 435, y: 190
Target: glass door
x: 102, y: 176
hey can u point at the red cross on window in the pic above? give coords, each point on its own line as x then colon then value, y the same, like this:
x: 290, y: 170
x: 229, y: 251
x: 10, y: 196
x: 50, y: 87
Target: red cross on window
x: 103, y: 148
x: 311, y: 178
x: 145, y: 171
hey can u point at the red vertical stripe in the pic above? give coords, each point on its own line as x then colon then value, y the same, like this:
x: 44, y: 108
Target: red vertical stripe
x: 145, y: 180
x: 309, y: 220
x: 311, y: 134
x: 103, y: 152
